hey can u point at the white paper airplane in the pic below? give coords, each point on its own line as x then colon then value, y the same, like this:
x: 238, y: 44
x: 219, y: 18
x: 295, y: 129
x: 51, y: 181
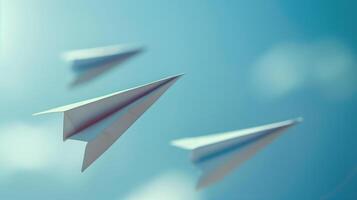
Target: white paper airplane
x: 90, y: 63
x: 101, y: 121
x: 217, y: 155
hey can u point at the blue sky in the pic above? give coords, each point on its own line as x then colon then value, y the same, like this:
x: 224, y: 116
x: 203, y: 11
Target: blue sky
x: 247, y: 63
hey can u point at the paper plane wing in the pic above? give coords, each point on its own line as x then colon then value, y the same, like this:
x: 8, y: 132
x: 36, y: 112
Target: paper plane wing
x: 217, y: 155
x: 90, y: 63
x: 101, y: 121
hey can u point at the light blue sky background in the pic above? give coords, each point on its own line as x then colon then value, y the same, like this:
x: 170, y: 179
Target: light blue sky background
x: 247, y: 63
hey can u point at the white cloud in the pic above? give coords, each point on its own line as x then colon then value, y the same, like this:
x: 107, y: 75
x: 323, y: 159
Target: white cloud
x: 24, y: 147
x: 327, y: 65
x: 38, y: 148
x: 169, y: 186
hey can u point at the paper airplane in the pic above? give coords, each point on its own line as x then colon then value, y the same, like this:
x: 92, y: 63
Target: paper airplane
x: 217, y: 155
x: 101, y: 121
x: 90, y: 63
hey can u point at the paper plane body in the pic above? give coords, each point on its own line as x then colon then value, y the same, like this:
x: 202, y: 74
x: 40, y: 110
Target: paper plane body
x: 217, y: 155
x: 88, y: 64
x: 101, y: 121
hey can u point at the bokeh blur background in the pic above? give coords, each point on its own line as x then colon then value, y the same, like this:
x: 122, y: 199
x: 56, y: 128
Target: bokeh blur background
x: 247, y: 63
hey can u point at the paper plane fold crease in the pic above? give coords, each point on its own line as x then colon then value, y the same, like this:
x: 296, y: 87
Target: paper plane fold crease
x: 101, y: 121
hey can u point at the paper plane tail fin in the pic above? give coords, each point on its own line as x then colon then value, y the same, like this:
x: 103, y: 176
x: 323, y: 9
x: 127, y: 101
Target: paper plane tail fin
x: 95, y: 148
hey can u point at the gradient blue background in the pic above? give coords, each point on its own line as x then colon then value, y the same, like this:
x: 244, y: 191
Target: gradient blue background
x: 216, y: 44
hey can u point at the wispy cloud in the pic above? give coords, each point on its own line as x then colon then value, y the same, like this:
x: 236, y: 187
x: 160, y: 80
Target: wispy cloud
x: 38, y: 148
x: 169, y: 186
x: 327, y: 65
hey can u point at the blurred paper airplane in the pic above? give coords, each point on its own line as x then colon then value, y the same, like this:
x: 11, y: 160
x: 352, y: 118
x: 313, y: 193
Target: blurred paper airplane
x: 90, y: 63
x: 101, y: 121
x: 217, y: 155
